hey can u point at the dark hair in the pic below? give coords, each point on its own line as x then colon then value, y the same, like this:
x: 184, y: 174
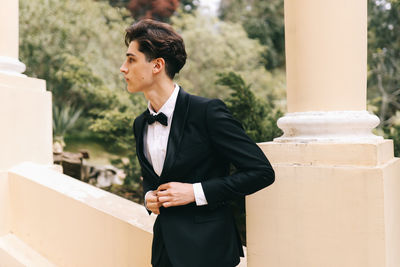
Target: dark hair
x: 157, y: 39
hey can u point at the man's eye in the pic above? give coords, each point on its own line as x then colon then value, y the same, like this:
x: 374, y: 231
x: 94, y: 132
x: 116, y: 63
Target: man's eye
x: 130, y: 60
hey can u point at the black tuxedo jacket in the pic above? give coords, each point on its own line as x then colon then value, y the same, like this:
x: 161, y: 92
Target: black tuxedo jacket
x: 204, y: 139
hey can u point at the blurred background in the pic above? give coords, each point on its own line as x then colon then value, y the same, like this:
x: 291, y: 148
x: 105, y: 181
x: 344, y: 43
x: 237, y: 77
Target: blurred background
x: 236, y: 52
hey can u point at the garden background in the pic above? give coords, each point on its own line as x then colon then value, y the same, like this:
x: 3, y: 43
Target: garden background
x: 236, y: 55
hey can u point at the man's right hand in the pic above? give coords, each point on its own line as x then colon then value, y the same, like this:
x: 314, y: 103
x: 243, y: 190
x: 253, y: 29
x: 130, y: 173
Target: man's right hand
x: 152, y: 202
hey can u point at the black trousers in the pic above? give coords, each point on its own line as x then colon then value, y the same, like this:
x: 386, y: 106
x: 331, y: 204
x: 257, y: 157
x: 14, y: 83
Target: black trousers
x: 159, y: 253
x: 160, y: 256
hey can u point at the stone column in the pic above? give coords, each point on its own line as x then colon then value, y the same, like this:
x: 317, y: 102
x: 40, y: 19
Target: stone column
x: 326, y: 60
x: 25, y: 105
x: 336, y: 198
x: 9, y: 63
x: 326, y: 46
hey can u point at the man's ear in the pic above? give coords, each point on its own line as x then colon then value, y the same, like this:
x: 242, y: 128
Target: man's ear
x: 159, y: 65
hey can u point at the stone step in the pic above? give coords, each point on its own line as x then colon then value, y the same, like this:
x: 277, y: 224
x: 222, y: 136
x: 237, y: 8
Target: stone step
x: 16, y: 253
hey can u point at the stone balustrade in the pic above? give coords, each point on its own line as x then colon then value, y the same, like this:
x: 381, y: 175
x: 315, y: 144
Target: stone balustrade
x: 50, y: 219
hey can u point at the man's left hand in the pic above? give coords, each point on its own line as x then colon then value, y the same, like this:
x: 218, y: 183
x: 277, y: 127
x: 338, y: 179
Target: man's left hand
x: 175, y: 194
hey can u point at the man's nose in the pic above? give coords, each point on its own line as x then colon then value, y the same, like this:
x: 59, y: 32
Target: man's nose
x: 123, y: 68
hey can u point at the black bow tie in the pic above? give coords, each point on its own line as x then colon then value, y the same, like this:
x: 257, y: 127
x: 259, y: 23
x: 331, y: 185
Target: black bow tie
x: 160, y: 117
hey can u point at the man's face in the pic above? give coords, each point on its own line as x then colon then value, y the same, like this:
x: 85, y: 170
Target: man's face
x: 138, y: 72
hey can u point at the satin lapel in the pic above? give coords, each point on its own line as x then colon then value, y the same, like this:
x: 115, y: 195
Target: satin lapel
x: 139, y: 146
x: 177, y: 127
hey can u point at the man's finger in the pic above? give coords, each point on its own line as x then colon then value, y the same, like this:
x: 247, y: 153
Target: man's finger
x: 164, y: 199
x: 167, y: 204
x: 154, y: 204
x: 163, y: 193
x: 152, y: 201
x: 155, y: 211
x: 151, y: 205
x: 164, y: 187
x: 151, y: 198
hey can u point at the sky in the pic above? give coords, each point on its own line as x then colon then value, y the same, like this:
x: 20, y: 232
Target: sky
x: 210, y: 6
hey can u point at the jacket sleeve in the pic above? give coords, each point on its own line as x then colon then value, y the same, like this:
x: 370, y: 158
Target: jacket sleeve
x: 146, y: 187
x: 228, y: 138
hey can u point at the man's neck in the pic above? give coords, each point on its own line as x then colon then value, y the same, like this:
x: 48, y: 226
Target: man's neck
x: 159, y: 94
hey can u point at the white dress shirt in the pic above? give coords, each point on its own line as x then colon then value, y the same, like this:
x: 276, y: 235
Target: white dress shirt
x: 155, y: 140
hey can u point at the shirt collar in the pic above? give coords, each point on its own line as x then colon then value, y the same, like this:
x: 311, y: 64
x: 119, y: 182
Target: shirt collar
x: 169, y: 105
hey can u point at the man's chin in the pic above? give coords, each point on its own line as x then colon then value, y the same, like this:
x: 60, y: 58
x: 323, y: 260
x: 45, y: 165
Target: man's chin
x: 131, y: 89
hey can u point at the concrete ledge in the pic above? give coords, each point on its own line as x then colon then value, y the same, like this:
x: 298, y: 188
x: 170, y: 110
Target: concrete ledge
x: 330, y: 154
x: 4, y: 204
x: 14, y: 252
x: 72, y: 223
x: 26, y: 83
x: 6, y: 260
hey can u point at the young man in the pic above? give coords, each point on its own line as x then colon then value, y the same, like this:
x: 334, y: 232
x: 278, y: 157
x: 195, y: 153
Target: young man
x: 185, y: 145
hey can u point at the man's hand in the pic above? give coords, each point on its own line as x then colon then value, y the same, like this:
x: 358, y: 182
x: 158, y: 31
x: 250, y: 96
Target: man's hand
x: 175, y: 194
x: 152, y: 202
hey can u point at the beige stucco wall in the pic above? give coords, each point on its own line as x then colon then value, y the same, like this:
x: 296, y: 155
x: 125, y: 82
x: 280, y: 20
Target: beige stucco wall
x: 71, y: 223
x: 331, y: 205
x: 26, y: 119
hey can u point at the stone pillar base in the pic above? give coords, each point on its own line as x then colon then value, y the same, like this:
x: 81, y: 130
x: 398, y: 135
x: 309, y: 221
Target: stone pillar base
x: 26, y: 121
x: 331, y: 205
x: 328, y: 126
x: 12, y: 66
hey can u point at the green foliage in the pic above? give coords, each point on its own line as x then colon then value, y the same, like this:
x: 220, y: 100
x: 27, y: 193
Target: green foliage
x: 64, y: 118
x: 78, y: 47
x: 262, y: 20
x: 78, y: 54
x: 384, y: 58
x: 189, y: 6
x: 257, y: 117
x: 133, y: 181
x: 215, y: 46
x: 115, y: 127
x: 393, y: 133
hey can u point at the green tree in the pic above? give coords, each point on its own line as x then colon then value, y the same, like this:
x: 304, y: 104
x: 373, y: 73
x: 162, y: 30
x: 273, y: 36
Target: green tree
x: 384, y: 66
x: 263, y: 20
x: 257, y: 116
x: 215, y: 46
x: 78, y: 47
x: 393, y: 132
x: 78, y: 54
x: 384, y: 57
x: 64, y: 118
x: 115, y: 127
